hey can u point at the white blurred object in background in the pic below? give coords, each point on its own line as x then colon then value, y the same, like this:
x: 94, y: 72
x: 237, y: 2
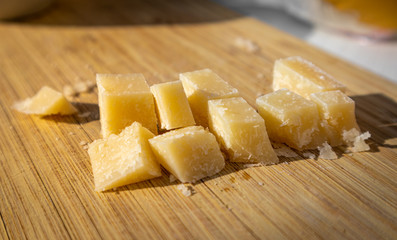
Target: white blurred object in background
x: 338, y: 32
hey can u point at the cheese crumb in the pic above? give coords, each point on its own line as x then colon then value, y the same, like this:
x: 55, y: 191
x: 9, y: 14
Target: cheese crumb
x: 80, y: 87
x: 283, y: 150
x: 359, y: 144
x: 186, y: 190
x: 69, y: 91
x: 172, y: 178
x: 252, y: 165
x: 350, y: 136
x: 246, y: 44
x: 84, y: 114
x: 90, y: 85
x: 261, y: 183
x: 82, y: 143
x: 326, y: 152
x: 309, y: 155
x: 356, y: 140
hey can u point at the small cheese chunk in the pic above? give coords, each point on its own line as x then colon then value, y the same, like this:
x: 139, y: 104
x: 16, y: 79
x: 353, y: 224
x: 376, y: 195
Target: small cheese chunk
x: 359, y: 144
x: 124, y: 99
x: 201, y: 86
x: 326, y: 152
x: 186, y: 190
x: 172, y: 105
x: 291, y: 119
x: 123, y: 159
x: 337, y: 114
x: 356, y: 140
x: 240, y: 130
x: 46, y: 102
x: 189, y: 153
x: 302, y: 77
x: 284, y: 151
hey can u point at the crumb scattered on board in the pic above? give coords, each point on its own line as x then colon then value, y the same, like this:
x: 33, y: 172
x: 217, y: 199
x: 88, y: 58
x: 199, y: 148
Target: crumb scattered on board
x: 284, y: 151
x: 252, y: 165
x: 356, y: 140
x: 78, y: 87
x: 84, y: 144
x: 326, y: 152
x: 186, y: 190
x: 172, y: 178
x: 246, y: 45
x: 68, y: 91
x: 84, y: 114
x: 359, y: 144
x: 309, y: 155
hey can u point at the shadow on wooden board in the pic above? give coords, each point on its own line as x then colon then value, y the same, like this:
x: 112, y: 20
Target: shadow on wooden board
x: 127, y: 12
x: 377, y: 114
x: 87, y: 112
x: 165, y: 180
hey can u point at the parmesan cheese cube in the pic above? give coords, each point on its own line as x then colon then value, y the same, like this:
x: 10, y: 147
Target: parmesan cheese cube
x: 189, y: 153
x: 337, y: 114
x: 124, y: 99
x: 46, y: 102
x: 240, y: 130
x: 201, y: 86
x: 302, y: 77
x: 291, y: 119
x: 172, y: 106
x: 123, y: 159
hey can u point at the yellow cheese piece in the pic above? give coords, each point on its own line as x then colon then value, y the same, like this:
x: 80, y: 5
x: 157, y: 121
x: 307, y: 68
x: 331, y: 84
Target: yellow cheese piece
x: 201, y: 86
x: 337, y: 114
x: 124, y: 99
x: 46, y: 102
x: 291, y: 119
x: 240, y: 130
x: 302, y: 77
x: 123, y: 159
x: 189, y: 153
x: 172, y: 105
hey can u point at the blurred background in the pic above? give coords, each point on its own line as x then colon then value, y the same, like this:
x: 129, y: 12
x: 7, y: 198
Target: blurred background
x: 360, y: 31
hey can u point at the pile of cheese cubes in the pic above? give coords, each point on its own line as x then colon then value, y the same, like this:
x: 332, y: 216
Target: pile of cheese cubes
x: 131, y: 112
x: 201, y: 115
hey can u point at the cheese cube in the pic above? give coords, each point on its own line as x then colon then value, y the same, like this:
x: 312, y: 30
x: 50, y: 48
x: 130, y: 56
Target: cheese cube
x: 291, y: 119
x: 172, y: 106
x: 189, y: 153
x: 240, y: 130
x: 201, y: 86
x: 337, y: 114
x: 302, y: 77
x: 46, y: 102
x: 123, y: 159
x: 124, y: 99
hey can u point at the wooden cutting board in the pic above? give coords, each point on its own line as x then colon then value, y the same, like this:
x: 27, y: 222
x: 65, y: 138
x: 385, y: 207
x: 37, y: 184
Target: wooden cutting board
x: 45, y: 175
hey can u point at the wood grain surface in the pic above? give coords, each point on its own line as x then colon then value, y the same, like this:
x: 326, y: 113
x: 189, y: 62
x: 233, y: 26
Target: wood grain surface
x: 46, y: 180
